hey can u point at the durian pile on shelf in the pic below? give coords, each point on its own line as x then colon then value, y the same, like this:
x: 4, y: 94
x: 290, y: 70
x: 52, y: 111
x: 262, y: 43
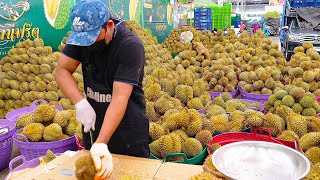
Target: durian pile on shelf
x: 63, y: 42
x: 47, y: 124
x: 303, y: 69
x: 28, y: 75
x: 295, y: 98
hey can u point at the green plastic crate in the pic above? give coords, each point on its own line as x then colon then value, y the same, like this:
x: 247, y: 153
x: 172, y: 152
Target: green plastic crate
x: 195, y: 160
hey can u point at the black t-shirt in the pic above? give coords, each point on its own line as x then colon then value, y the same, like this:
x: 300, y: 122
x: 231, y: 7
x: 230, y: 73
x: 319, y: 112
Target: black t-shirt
x: 129, y: 59
x: 122, y: 61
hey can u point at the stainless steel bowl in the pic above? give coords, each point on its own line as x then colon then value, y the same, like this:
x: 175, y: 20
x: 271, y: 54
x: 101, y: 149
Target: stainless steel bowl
x: 260, y: 161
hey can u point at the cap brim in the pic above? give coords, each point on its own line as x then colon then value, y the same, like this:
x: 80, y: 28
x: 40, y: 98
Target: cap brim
x: 83, y: 38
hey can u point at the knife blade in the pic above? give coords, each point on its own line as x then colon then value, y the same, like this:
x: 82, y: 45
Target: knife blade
x: 91, y: 137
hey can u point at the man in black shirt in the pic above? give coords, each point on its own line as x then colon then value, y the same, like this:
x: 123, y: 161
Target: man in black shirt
x: 112, y: 58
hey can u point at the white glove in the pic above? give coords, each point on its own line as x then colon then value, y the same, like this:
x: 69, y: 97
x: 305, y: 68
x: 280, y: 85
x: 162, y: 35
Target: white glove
x: 102, y: 160
x: 85, y: 115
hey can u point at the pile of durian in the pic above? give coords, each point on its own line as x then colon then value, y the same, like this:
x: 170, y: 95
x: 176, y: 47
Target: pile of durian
x: 47, y: 124
x: 179, y: 131
x: 155, y: 56
x: 222, y: 76
x: 63, y: 42
x: 304, y: 130
x: 246, y: 54
x: 303, y: 69
x: 296, y: 98
x: 261, y: 81
x: 28, y: 75
x: 144, y: 34
x: 176, y: 89
x: 173, y: 42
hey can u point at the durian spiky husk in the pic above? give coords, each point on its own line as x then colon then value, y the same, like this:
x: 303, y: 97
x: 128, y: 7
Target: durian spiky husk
x: 30, y: 66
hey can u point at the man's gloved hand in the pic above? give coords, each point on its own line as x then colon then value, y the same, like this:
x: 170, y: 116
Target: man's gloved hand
x: 102, y: 160
x: 86, y: 115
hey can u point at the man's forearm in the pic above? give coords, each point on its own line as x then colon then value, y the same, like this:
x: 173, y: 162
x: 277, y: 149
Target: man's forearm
x: 112, y: 119
x: 68, y: 85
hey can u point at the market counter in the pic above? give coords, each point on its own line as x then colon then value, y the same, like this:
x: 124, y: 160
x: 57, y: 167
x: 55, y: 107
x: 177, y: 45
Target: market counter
x: 63, y: 167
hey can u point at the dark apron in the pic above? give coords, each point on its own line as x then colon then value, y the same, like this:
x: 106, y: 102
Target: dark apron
x: 129, y: 138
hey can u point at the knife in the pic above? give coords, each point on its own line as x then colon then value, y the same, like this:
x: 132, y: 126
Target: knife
x: 91, y: 137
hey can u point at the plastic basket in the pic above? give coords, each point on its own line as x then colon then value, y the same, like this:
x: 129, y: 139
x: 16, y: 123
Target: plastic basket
x: 195, y: 160
x: 256, y: 97
x: 13, y: 115
x: 32, y: 150
x: 216, y: 94
x: 6, y: 142
x: 25, y: 164
x: 227, y: 138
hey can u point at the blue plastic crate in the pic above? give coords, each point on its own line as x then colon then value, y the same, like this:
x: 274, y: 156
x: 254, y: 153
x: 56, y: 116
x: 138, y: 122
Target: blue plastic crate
x: 203, y: 19
x: 205, y: 26
x: 297, y: 3
x: 203, y: 11
x: 202, y: 14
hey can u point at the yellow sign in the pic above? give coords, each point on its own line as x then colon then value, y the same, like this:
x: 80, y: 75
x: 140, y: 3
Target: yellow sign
x: 9, y: 32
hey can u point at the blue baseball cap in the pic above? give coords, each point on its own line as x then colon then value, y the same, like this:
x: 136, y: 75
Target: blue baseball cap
x: 87, y: 17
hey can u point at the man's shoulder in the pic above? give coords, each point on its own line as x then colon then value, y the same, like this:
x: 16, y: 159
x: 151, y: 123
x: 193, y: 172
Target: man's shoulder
x: 129, y: 37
